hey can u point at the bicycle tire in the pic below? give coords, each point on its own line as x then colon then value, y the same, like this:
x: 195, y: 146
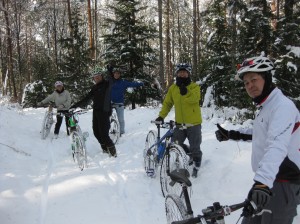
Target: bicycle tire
x: 78, y: 150
x: 175, y: 209
x: 150, y: 155
x: 178, y: 160
x: 114, y: 131
x: 47, y: 124
x: 78, y: 129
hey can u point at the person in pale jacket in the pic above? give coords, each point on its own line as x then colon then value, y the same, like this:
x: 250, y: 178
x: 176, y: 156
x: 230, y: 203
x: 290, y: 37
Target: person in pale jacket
x: 62, y: 100
x: 275, y: 145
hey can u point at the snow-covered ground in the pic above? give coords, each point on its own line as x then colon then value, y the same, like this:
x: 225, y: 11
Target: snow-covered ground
x: 41, y: 184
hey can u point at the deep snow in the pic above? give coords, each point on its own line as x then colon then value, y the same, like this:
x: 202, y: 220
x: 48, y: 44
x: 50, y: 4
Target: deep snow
x: 41, y: 184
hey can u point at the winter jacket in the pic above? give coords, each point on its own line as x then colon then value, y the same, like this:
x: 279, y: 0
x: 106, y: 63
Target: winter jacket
x: 276, y: 140
x: 62, y: 100
x: 118, y: 88
x: 100, y: 95
x: 187, y: 108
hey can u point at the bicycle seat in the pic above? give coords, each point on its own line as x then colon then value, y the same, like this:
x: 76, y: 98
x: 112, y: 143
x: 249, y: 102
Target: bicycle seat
x: 180, y: 176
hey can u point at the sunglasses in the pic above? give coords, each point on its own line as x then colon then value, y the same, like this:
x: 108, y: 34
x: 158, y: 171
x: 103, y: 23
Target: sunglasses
x: 245, y: 63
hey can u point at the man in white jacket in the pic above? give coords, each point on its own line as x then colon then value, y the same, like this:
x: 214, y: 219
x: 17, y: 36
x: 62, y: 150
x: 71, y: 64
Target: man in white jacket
x: 62, y: 101
x: 275, y: 145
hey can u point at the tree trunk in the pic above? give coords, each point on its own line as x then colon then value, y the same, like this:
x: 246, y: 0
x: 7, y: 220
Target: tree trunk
x: 90, y: 25
x: 55, y: 37
x: 161, y: 49
x: 168, y: 46
x: 12, y: 86
x: 95, y: 30
x: 194, y: 38
x: 70, y: 18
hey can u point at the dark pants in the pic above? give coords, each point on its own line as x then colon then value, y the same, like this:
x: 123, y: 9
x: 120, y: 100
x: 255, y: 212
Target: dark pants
x: 59, y: 119
x: 283, y: 204
x: 193, y: 134
x: 101, y: 126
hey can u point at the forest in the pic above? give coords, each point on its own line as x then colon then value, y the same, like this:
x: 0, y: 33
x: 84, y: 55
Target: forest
x: 42, y: 41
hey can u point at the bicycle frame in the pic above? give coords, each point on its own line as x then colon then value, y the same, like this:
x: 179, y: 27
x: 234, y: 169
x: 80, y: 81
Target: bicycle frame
x: 166, y: 137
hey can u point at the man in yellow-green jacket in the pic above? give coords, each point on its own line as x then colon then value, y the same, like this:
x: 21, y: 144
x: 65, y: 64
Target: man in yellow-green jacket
x: 184, y: 95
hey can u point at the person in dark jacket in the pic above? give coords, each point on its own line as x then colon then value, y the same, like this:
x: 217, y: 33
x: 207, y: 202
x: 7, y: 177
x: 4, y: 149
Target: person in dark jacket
x: 118, y: 89
x: 100, y: 95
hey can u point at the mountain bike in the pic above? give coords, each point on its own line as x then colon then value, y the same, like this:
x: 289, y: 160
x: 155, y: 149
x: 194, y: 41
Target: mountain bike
x: 78, y: 138
x: 179, y: 208
x: 162, y: 151
x: 47, y: 122
x: 114, y: 131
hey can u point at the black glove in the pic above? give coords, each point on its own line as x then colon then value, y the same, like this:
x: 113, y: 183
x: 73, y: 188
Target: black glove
x: 110, y: 69
x: 223, y: 135
x: 260, y: 194
x: 160, y: 119
x: 183, y: 90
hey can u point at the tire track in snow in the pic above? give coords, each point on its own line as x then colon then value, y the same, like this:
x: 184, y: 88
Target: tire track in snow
x: 44, y: 194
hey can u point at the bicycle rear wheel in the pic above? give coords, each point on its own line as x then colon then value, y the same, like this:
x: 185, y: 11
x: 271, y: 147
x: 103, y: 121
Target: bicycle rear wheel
x: 78, y: 150
x: 150, y: 154
x: 46, y: 125
x: 114, y: 131
x: 177, y: 160
x: 175, y: 209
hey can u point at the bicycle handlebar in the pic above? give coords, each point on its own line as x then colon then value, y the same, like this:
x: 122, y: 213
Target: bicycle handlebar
x: 72, y: 112
x: 171, y: 124
x: 215, y: 212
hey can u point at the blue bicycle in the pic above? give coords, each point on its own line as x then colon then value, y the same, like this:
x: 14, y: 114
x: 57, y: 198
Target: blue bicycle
x: 163, y: 152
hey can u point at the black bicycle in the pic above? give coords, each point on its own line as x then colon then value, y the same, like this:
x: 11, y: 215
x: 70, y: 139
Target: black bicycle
x: 179, y: 208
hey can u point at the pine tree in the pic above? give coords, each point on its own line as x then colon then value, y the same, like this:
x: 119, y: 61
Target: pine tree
x: 128, y: 45
x: 256, y: 35
x: 76, y: 60
x: 220, y: 57
x: 287, y: 75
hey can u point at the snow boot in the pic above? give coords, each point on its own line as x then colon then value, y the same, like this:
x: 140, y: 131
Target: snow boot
x: 195, y: 172
x: 196, y: 169
x: 112, y: 150
x: 104, y: 149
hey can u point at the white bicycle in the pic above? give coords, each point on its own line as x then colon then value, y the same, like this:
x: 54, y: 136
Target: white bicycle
x: 47, y: 122
x: 78, y: 138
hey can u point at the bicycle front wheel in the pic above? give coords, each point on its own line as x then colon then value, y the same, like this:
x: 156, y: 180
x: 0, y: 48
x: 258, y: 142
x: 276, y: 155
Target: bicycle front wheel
x: 78, y: 150
x: 150, y: 154
x: 177, y: 159
x: 114, y: 131
x: 175, y: 209
x: 46, y: 125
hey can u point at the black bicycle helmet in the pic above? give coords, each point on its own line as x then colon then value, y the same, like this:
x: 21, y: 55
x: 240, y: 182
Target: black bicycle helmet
x: 183, y: 66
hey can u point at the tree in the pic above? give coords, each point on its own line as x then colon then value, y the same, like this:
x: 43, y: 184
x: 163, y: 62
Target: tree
x: 76, y: 60
x: 128, y: 43
x: 287, y: 74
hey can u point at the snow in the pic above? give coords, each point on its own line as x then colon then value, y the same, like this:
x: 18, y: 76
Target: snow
x: 41, y: 184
